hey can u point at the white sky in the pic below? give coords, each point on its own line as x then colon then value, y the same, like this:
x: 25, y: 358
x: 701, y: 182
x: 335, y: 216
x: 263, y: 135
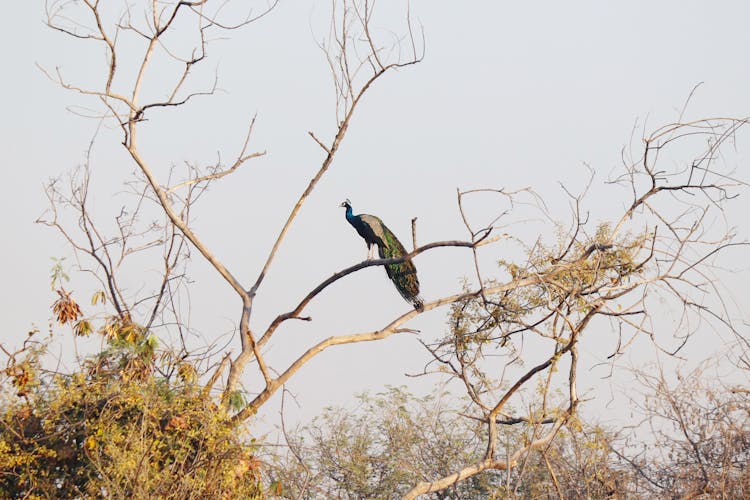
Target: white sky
x: 510, y: 94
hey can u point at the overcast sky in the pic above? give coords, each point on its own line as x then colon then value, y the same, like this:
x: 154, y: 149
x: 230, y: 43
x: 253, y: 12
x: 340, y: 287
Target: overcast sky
x: 509, y: 95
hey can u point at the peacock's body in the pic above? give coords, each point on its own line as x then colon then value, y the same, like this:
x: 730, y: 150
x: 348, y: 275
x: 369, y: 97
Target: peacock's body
x: 376, y: 234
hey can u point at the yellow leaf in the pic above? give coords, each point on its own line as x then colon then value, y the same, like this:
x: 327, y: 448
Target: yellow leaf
x: 98, y: 297
x: 83, y: 328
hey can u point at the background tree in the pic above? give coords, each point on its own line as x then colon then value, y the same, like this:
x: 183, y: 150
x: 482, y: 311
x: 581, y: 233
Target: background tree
x: 698, y: 435
x: 376, y: 450
x: 689, y: 441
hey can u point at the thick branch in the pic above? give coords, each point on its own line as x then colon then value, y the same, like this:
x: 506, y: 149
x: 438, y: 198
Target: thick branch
x: 390, y: 329
x: 349, y: 270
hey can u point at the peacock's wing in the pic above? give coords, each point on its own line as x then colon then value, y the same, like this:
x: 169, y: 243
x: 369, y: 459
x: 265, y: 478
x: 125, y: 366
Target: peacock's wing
x: 372, y: 229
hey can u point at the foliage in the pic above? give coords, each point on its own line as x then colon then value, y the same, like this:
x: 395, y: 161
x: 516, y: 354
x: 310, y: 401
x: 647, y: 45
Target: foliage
x: 379, y: 449
x: 129, y: 422
x: 699, y: 437
x: 394, y: 439
x: 579, y: 463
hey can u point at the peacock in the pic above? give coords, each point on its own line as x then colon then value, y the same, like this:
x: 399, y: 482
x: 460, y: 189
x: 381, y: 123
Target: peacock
x: 376, y: 234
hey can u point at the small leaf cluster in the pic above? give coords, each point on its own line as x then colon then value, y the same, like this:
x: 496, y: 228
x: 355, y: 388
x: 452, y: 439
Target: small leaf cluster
x: 570, y: 277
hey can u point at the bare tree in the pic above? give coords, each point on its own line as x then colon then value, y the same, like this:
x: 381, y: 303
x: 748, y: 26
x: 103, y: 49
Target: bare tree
x: 602, y: 276
x: 356, y: 60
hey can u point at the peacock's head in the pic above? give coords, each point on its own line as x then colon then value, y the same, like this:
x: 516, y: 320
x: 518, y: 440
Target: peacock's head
x: 346, y: 203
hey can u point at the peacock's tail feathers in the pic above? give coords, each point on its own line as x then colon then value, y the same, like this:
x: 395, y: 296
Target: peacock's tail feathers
x: 418, y: 303
x: 391, y: 246
x: 404, y: 274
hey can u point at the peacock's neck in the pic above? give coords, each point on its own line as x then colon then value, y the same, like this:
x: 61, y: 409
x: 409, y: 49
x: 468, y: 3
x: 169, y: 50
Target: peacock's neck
x: 349, y: 214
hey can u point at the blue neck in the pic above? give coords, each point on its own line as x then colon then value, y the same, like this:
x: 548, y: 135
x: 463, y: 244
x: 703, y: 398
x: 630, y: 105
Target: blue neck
x: 349, y: 215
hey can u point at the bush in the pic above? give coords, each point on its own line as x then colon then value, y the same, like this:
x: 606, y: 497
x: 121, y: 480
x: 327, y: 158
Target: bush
x: 118, y: 427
